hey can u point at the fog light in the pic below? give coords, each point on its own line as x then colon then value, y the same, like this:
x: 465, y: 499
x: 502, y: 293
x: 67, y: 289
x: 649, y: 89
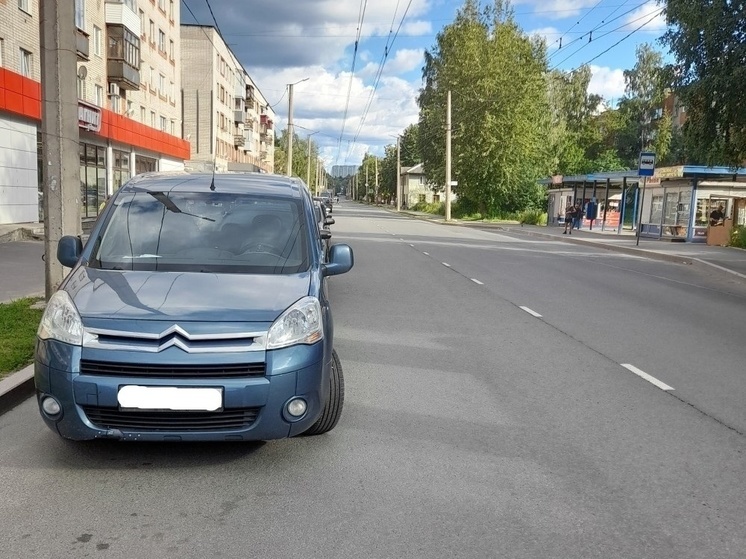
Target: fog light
x: 50, y: 406
x: 296, y: 407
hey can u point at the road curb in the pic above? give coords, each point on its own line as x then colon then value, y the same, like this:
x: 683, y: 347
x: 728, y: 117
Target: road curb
x: 16, y: 388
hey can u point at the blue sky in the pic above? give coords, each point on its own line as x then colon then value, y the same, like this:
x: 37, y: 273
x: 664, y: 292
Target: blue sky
x: 284, y: 41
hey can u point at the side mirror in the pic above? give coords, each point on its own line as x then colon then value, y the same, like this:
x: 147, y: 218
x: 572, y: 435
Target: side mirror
x: 341, y: 260
x: 325, y: 234
x: 68, y: 250
x: 329, y: 221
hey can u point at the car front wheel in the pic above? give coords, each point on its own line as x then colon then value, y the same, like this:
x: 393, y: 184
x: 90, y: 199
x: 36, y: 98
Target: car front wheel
x: 333, y: 407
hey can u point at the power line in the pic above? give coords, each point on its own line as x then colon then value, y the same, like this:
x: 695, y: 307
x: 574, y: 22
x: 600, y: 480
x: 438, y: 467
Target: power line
x: 653, y: 16
x: 377, y: 80
x: 577, y: 23
x: 361, y: 18
x: 601, y: 25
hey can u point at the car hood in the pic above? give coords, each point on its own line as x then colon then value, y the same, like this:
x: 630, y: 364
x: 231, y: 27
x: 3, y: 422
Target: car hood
x: 189, y: 296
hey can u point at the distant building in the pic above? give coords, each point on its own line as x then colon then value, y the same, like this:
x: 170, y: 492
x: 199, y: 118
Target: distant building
x: 227, y: 121
x: 416, y: 189
x: 342, y: 171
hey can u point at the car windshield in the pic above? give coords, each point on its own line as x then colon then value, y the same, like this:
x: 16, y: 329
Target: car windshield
x: 203, y: 232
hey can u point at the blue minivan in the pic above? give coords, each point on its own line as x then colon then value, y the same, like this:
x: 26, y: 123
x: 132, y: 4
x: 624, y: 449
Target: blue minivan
x: 197, y: 310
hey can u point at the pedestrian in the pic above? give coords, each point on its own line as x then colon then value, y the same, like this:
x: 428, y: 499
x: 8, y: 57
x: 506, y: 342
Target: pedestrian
x: 569, y: 218
x: 578, y: 219
x: 717, y: 216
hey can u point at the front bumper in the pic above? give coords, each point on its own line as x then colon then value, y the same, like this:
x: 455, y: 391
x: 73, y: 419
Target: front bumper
x: 253, y: 407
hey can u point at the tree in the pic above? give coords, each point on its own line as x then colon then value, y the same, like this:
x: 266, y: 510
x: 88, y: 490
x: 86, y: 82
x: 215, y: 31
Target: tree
x: 300, y: 156
x: 707, y: 40
x: 641, y: 112
x: 410, y: 146
x: 499, y: 116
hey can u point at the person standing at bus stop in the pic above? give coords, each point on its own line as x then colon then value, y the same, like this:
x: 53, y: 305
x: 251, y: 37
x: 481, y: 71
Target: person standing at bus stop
x: 578, y: 219
x: 570, y: 212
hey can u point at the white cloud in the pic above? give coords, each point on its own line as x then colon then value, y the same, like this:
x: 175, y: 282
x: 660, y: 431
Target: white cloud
x: 607, y: 82
x: 558, y: 9
x: 649, y: 10
x: 417, y: 28
x: 405, y: 60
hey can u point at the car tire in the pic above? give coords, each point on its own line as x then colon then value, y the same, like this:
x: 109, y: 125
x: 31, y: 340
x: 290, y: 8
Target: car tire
x: 334, y: 403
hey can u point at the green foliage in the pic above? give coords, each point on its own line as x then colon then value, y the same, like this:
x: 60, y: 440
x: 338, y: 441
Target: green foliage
x: 707, y: 40
x: 533, y: 217
x: 496, y: 75
x: 18, y: 324
x: 435, y: 208
x: 738, y: 237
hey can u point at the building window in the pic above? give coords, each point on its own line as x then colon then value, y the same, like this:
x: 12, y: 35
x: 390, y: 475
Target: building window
x: 96, y: 40
x: 115, y: 102
x: 143, y: 23
x: 164, y: 124
x: 27, y: 67
x: 25, y: 5
x: 161, y: 84
x: 171, y: 50
x: 99, y: 96
x: 2, y: 52
x: 80, y: 14
x: 81, y: 88
x: 92, y: 178
x: 152, y: 119
x: 152, y: 31
x: 171, y: 91
x: 145, y: 164
x: 161, y: 41
x: 143, y: 114
x: 173, y: 127
x: 171, y: 10
x: 162, y: 5
x: 121, y: 168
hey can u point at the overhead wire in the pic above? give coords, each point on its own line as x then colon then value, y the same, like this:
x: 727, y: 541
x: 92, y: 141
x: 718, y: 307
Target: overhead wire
x: 361, y: 18
x: 386, y: 50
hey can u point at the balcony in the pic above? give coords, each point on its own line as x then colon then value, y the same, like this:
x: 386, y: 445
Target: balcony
x: 82, y: 45
x: 266, y: 122
x: 122, y: 74
x: 239, y: 116
x: 263, y: 155
x: 123, y: 12
x: 239, y: 140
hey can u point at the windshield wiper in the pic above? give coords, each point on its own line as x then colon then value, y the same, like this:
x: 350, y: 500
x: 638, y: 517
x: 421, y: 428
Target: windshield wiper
x: 170, y: 206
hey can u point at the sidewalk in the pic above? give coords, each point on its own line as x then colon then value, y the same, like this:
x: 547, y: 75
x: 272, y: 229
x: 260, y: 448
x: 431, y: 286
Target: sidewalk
x: 726, y: 260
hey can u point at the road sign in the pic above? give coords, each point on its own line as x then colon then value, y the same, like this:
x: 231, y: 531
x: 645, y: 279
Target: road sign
x: 646, y: 167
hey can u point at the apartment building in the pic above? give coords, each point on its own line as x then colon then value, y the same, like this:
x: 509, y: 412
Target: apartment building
x: 227, y: 120
x: 129, y: 112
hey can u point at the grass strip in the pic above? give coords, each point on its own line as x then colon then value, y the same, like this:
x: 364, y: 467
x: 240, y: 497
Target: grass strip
x: 18, y: 324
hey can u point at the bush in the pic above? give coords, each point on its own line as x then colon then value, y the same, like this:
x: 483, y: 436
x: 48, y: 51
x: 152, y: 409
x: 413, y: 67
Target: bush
x: 533, y: 217
x: 738, y: 237
x: 435, y: 208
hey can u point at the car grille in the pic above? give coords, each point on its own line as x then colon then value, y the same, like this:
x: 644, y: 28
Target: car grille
x: 112, y: 418
x: 104, y: 368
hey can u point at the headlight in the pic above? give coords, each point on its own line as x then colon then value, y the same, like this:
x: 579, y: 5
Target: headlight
x: 61, y: 321
x: 299, y: 324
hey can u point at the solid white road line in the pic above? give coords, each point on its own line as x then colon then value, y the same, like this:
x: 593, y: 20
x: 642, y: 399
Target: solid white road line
x: 446, y: 264
x: 532, y: 313
x: 477, y: 281
x: 411, y: 245
x: 647, y: 377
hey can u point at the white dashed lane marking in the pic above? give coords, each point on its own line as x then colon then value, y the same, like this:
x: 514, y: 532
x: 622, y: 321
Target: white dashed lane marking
x: 647, y: 377
x: 446, y: 264
x: 532, y: 313
x: 477, y: 281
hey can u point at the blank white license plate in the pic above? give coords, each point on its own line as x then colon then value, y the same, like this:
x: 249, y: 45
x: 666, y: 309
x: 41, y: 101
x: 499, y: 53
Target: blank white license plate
x: 170, y: 398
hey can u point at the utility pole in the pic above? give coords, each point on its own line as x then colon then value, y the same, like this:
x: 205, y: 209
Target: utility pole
x: 290, y: 130
x: 448, y: 158
x: 366, y: 179
x: 59, y: 125
x: 290, y: 126
x: 375, y: 196
x: 308, y: 172
x: 398, y: 174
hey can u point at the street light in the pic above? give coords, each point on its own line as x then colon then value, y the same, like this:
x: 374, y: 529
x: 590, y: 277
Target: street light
x: 290, y: 126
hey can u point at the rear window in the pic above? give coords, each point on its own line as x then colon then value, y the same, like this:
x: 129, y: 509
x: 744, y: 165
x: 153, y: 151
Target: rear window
x: 203, y: 232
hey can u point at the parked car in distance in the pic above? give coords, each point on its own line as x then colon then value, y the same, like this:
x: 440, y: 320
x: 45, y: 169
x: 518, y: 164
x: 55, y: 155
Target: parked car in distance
x: 326, y: 198
x: 197, y: 310
x: 324, y: 221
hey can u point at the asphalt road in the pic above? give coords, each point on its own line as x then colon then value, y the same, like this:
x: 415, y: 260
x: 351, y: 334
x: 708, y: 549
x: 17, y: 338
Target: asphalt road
x: 472, y: 427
